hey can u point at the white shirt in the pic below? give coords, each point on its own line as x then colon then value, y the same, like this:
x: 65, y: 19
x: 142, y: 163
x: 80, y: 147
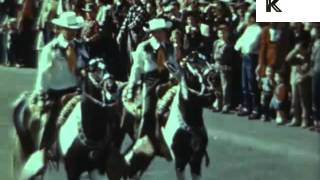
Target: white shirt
x: 143, y: 61
x: 249, y: 41
x: 53, y: 70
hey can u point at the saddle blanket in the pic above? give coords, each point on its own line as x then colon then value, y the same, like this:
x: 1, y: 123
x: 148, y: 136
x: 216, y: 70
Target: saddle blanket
x: 70, y: 129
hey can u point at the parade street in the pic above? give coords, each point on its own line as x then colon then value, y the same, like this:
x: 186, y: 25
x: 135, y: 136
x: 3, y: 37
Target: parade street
x: 239, y: 149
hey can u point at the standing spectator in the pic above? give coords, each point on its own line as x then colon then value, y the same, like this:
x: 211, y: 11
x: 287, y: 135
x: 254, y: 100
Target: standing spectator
x: 131, y: 29
x: 12, y: 43
x: 176, y: 39
x: 248, y: 45
x: 299, y: 60
x: 26, y: 19
x: 223, y: 54
x: 279, y: 100
x: 315, y: 59
x: 274, y: 46
x: 90, y: 32
x: 131, y: 32
x: 192, y: 37
x: 172, y: 12
x: 106, y: 18
x: 266, y: 86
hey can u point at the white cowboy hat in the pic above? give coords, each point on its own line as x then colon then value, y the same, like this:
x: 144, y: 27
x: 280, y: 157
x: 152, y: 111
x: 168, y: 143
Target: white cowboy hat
x: 156, y: 24
x: 69, y: 20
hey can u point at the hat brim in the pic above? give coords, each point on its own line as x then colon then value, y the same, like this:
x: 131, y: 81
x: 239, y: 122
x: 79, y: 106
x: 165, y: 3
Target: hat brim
x: 59, y: 23
x: 167, y: 26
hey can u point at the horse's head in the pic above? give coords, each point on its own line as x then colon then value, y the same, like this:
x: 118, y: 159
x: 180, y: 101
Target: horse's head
x: 198, y: 74
x: 101, y: 79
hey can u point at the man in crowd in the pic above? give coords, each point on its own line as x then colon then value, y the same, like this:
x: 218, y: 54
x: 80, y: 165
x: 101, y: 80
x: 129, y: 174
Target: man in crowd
x: 248, y: 45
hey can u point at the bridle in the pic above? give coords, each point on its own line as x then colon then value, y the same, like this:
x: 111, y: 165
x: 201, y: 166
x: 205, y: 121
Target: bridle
x: 203, y: 76
x: 98, y: 85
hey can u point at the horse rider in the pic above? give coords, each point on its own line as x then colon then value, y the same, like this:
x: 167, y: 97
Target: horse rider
x: 57, y: 69
x: 150, y: 66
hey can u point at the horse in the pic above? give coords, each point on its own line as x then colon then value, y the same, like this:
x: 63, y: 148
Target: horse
x: 29, y: 120
x: 95, y: 122
x: 183, y: 134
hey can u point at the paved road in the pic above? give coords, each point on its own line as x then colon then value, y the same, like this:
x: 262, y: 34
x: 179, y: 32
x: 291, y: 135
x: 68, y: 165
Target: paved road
x: 239, y: 149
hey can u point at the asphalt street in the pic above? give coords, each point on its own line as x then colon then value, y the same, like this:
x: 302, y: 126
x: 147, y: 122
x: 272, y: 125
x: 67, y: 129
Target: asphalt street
x: 239, y: 149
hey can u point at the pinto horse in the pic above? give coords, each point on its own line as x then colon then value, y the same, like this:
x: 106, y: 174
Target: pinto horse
x: 183, y: 132
x: 94, y: 148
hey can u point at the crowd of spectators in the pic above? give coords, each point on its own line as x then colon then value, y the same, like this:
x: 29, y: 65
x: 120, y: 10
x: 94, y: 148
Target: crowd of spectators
x: 264, y: 70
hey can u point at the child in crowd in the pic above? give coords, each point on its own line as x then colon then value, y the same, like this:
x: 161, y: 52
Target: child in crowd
x: 267, y: 86
x: 11, y: 33
x: 279, y: 100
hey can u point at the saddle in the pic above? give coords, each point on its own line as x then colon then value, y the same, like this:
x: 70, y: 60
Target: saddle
x: 165, y: 94
x: 67, y: 109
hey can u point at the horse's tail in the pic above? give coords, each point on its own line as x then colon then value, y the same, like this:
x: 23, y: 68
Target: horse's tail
x: 19, y: 115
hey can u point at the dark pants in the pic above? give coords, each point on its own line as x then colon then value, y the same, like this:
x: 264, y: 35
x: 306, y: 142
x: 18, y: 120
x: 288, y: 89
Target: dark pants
x: 265, y: 103
x: 148, y: 121
x: 249, y: 83
x: 50, y: 127
x: 316, y: 96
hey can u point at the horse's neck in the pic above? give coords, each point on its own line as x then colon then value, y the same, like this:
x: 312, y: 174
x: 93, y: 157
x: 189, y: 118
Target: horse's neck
x: 90, y: 89
x: 190, y: 109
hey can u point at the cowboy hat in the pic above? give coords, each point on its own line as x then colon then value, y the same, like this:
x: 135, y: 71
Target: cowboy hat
x: 157, y: 24
x: 88, y: 7
x: 69, y: 20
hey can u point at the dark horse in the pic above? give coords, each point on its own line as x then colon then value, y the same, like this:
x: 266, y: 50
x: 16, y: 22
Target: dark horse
x: 183, y: 131
x: 95, y: 149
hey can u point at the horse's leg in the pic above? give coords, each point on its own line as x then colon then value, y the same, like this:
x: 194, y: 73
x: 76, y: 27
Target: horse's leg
x: 75, y: 160
x: 96, y: 175
x: 182, y: 152
x: 180, y: 174
x: 180, y: 165
x: 116, y: 166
